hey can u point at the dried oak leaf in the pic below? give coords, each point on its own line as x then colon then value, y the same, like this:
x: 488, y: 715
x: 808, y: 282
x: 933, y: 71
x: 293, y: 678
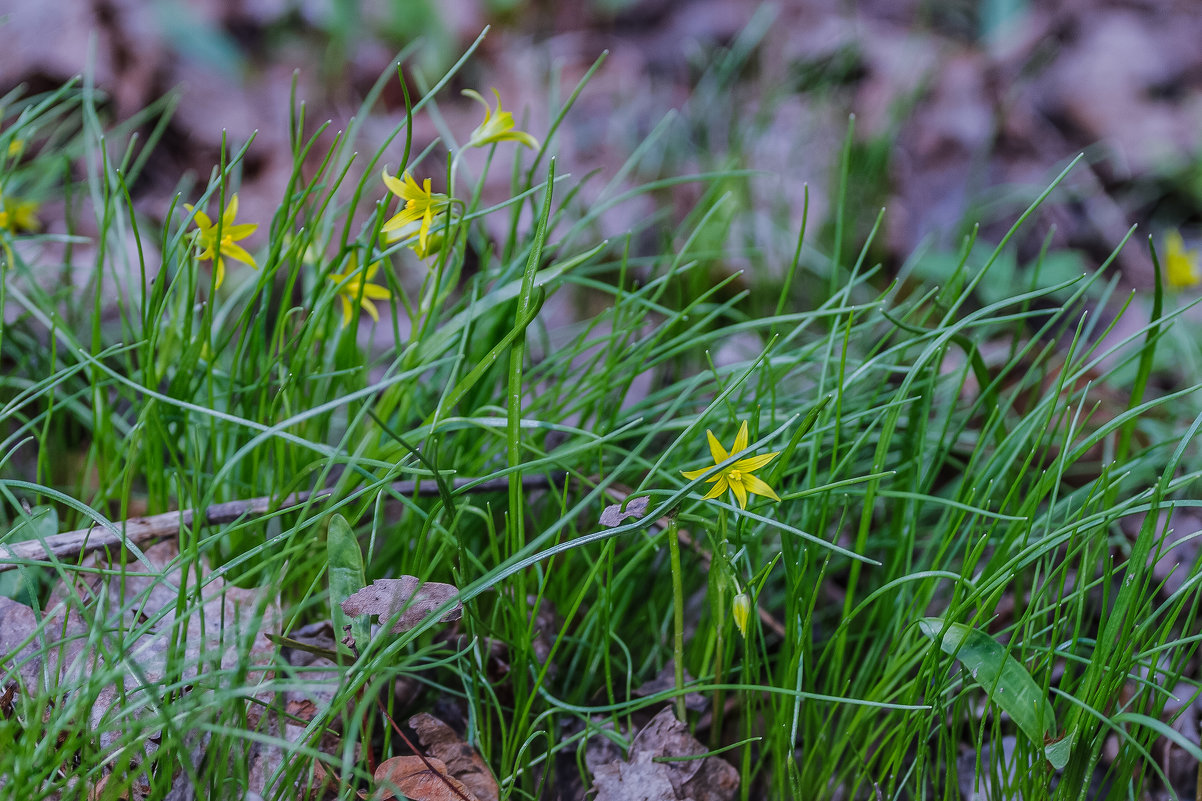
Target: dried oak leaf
x: 462, y: 760
x: 411, y: 776
x: 387, y: 597
x: 642, y: 778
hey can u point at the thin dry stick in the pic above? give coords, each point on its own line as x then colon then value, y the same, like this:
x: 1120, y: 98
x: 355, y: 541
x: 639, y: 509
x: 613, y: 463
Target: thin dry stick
x: 137, y: 530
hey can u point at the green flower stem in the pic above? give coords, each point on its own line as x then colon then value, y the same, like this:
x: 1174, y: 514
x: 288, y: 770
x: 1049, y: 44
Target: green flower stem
x: 718, y: 605
x: 677, y: 612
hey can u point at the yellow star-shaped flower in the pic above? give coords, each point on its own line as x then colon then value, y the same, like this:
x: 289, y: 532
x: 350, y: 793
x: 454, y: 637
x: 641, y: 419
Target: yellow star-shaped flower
x: 356, y: 288
x: 207, y: 233
x: 737, y: 477
x: 420, y: 204
x: 1180, y: 265
x: 497, y: 125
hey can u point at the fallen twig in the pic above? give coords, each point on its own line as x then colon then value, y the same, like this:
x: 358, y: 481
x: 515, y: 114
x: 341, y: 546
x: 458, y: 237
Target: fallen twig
x: 138, y: 530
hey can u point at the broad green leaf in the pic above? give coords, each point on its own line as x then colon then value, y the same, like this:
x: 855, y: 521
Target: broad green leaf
x: 1004, y: 679
x: 347, y: 577
x: 1059, y: 751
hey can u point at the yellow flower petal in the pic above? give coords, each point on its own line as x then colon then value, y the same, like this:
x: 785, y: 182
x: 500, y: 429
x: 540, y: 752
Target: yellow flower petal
x: 202, y: 220
x: 740, y: 492
x: 238, y: 252
x: 400, y: 220
x: 740, y: 439
x: 1180, y: 265
x: 231, y: 211
x: 754, y: 462
x: 238, y: 231
x: 394, y: 185
x: 717, y: 489
x: 718, y: 453
x: 757, y: 487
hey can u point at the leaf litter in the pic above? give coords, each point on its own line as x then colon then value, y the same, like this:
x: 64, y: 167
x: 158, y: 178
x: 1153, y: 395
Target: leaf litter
x: 407, y: 595
x: 655, y: 771
x: 461, y: 760
x: 117, y: 621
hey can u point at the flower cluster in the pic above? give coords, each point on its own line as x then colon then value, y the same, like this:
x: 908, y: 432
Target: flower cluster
x: 417, y: 219
x: 421, y: 205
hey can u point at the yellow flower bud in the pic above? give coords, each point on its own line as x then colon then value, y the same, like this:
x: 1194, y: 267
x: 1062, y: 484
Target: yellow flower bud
x: 741, y: 607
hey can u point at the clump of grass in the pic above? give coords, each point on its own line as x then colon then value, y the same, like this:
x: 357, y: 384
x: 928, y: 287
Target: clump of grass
x: 991, y: 460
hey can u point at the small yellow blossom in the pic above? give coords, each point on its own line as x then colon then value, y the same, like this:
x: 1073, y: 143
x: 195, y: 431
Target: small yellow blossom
x: 19, y: 215
x: 207, y: 233
x: 1181, y: 265
x: 15, y: 148
x: 357, y: 288
x: 736, y: 477
x: 420, y: 204
x: 497, y: 125
x: 741, y: 607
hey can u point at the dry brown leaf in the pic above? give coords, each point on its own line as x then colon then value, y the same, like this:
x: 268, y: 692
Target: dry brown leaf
x: 641, y: 778
x: 227, y: 628
x: 614, y: 515
x: 387, y: 597
x: 462, y: 760
x: 17, y: 624
x: 411, y: 776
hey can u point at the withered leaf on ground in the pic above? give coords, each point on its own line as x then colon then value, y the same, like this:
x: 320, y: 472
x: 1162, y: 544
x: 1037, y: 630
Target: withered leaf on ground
x: 387, y: 597
x: 641, y: 778
x: 462, y: 760
x: 614, y: 515
x: 411, y: 776
x: 225, y: 629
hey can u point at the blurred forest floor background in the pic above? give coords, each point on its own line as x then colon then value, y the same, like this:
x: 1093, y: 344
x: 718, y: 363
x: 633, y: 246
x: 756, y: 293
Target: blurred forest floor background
x: 963, y: 110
